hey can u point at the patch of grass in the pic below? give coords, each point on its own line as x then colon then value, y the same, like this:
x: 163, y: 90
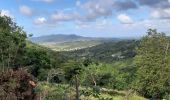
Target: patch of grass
x: 75, y: 45
x: 62, y: 92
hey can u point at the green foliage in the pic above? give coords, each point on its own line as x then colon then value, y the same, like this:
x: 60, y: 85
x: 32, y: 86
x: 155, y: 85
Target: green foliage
x: 65, y: 92
x: 118, y: 75
x: 55, y: 91
x: 152, y: 61
x: 38, y: 61
x: 12, y: 43
x: 106, y: 52
x: 72, y: 68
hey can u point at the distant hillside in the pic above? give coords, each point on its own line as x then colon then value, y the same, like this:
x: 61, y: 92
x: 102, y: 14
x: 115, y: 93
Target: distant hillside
x: 62, y: 42
x: 105, y: 52
x: 57, y: 38
x: 60, y: 38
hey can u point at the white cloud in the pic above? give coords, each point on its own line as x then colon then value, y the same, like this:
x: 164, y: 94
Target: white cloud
x: 40, y: 21
x: 101, y: 24
x: 161, y: 13
x: 140, y: 27
x: 46, y: 1
x: 98, y: 24
x: 124, y: 19
x: 78, y: 3
x: 26, y: 10
x: 80, y: 24
x: 90, y: 10
x: 95, y: 9
x: 60, y: 16
x: 6, y: 13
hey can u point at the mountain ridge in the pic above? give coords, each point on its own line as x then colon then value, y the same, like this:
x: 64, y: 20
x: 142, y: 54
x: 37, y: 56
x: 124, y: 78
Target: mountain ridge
x: 61, y: 42
x: 61, y: 38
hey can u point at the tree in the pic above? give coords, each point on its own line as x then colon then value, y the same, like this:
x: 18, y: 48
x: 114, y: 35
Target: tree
x: 12, y: 43
x: 153, y: 66
x: 38, y: 61
x: 91, y: 72
x: 73, y: 70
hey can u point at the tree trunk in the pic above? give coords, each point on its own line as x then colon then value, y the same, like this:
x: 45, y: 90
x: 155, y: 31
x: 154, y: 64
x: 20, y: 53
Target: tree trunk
x: 77, y: 88
x: 2, y: 58
x: 48, y: 76
x: 9, y: 59
x: 15, y: 56
x: 94, y: 81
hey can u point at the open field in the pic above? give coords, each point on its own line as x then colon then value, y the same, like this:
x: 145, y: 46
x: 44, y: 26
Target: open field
x: 68, y: 46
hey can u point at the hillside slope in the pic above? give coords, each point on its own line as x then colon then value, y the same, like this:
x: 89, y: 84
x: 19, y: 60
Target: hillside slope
x: 62, y: 42
x: 105, y: 52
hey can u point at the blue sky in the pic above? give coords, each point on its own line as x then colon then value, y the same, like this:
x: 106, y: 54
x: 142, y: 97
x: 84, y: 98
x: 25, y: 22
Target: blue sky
x: 92, y: 18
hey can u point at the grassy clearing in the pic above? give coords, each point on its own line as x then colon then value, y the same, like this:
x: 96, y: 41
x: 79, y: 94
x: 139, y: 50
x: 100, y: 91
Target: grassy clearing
x: 66, y: 92
x: 71, y: 45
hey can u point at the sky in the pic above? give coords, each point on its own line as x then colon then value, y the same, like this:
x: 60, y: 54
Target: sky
x: 90, y: 18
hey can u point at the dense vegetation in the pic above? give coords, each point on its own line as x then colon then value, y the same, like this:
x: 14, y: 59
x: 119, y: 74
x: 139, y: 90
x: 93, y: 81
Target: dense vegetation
x: 12, y: 43
x: 106, y: 52
x: 153, y: 65
x: 135, y: 67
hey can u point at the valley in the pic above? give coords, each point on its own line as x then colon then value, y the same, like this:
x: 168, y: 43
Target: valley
x: 69, y: 42
x: 71, y: 46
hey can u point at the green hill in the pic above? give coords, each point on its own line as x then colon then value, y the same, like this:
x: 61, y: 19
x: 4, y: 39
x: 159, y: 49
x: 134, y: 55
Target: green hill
x: 69, y: 42
x: 105, y: 52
